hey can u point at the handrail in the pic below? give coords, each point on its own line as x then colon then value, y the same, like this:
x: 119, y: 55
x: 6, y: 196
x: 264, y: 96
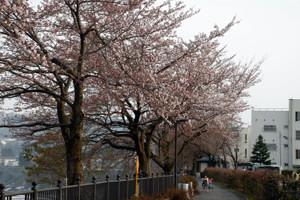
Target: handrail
x: 109, y: 189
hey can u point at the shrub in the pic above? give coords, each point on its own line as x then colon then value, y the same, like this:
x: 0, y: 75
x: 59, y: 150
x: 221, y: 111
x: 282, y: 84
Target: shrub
x: 261, y: 184
x: 287, y: 172
x: 271, y: 187
x: 170, y: 194
x: 174, y: 194
x: 188, y: 179
x: 289, y: 189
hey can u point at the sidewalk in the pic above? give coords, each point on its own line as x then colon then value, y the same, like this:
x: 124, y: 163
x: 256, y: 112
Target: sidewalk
x: 218, y: 193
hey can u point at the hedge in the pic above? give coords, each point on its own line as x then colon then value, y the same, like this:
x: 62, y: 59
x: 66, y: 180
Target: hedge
x: 260, y: 185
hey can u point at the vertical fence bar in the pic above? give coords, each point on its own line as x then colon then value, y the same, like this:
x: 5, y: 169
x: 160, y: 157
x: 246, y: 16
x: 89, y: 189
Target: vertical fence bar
x: 2, y: 193
x: 157, y: 182
x: 78, y: 183
x: 153, y: 189
x: 127, y: 186
x: 172, y: 180
x: 107, y: 188
x: 95, y: 187
x: 148, y: 185
x: 34, y: 184
x: 66, y: 190
x: 60, y: 189
x: 163, y: 180
x: 119, y: 186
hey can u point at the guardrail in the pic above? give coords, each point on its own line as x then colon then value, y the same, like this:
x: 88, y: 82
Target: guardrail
x: 109, y: 189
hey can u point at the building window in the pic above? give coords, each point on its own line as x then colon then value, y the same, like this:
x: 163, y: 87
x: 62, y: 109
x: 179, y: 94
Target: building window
x: 286, y: 164
x: 297, y: 116
x: 246, y: 153
x: 297, y: 135
x: 269, y: 128
x: 286, y: 145
x: 286, y: 126
x: 245, y: 138
x: 297, y: 153
x: 271, y: 147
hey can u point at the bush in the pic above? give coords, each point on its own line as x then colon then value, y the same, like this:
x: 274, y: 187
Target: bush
x: 188, y: 179
x: 261, y: 184
x: 170, y: 194
x: 290, y: 188
x: 287, y: 173
x: 271, y: 189
x: 174, y: 194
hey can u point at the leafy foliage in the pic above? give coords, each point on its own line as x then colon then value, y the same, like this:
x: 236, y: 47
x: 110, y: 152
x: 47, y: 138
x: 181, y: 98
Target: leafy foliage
x: 47, y: 155
x: 260, y: 153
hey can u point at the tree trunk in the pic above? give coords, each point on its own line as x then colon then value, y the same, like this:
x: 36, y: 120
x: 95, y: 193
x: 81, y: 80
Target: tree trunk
x: 72, y: 135
x: 144, y: 164
x: 168, y: 167
x: 74, y: 160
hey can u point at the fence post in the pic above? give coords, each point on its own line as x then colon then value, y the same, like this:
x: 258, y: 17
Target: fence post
x: 153, y: 189
x: 78, y: 183
x: 141, y: 184
x: 148, y: 185
x: 157, y: 181
x: 60, y: 189
x: 107, y: 191
x: 119, y: 186
x: 169, y: 180
x: 95, y: 187
x: 2, y: 186
x: 163, y: 181
x: 172, y: 179
x: 127, y: 186
x: 34, y: 184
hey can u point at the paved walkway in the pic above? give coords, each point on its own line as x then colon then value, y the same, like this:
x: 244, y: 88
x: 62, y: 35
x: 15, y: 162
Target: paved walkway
x: 218, y: 193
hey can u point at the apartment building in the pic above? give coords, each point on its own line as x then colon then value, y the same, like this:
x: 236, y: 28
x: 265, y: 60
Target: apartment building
x: 244, y: 148
x: 281, y: 130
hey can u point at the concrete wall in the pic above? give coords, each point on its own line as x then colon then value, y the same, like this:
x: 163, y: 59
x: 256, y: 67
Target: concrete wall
x: 273, y: 126
x: 294, y: 106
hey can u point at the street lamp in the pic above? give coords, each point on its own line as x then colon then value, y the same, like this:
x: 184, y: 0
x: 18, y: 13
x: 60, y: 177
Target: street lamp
x: 175, y: 167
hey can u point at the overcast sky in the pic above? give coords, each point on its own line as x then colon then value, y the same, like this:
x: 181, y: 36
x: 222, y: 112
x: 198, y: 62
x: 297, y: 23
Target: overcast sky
x: 268, y: 29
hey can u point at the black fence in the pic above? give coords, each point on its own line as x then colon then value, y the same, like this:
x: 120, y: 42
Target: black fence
x: 106, y: 190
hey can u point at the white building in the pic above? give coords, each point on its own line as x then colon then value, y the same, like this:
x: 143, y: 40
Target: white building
x: 242, y: 148
x: 280, y: 129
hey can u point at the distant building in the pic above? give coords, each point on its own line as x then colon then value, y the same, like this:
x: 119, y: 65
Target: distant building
x: 10, y: 162
x: 280, y: 129
x: 244, y: 148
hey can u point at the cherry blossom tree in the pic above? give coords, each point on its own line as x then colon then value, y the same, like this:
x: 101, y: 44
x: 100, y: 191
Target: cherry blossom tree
x: 209, y: 94
x: 63, y: 55
x: 116, y: 64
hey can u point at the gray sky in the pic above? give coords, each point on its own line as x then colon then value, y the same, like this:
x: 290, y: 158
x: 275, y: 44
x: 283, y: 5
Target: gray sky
x: 268, y: 29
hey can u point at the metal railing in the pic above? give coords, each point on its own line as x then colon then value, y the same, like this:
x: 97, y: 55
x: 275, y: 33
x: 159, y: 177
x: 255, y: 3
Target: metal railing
x: 109, y: 189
